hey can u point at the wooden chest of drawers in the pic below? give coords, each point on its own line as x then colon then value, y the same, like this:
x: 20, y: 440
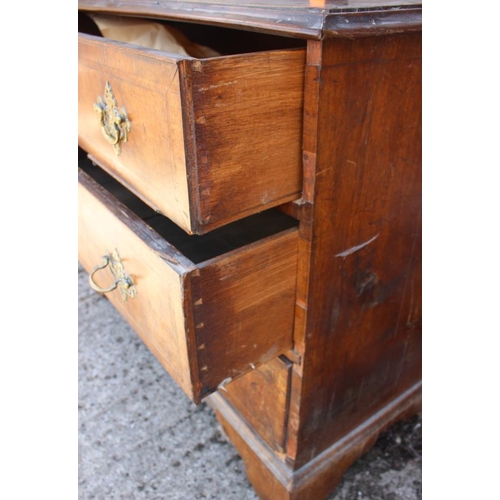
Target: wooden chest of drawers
x: 295, y: 156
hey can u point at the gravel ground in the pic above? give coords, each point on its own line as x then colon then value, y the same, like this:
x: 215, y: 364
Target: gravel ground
x: 141, y: 438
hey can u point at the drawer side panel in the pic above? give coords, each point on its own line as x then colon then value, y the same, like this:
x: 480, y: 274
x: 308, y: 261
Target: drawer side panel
x: 244, y: 308
x: 248, y: 128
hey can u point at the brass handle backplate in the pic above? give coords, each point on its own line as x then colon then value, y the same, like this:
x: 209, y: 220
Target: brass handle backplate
x: 114, y: 122
x: 123, y: 282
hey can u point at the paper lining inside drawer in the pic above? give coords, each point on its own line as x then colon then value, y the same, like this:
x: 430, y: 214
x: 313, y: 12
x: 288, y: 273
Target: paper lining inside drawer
x: 150, y: 34
x: 195, y: 40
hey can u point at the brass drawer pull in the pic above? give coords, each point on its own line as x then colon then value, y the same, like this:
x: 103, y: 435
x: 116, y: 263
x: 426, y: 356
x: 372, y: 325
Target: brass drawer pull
x: 124, y: 283
x: 114, y: 122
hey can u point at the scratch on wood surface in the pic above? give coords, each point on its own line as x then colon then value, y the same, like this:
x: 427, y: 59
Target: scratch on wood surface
x: 222, y: 385
x: 210, y: 87
x: 321, y: 172
x: 173, y: 80
x: 410, y: 311
x: 351, y: 250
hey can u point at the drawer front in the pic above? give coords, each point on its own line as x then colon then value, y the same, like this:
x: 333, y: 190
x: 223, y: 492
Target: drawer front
x: 206, y: 323
x: 209, y: 141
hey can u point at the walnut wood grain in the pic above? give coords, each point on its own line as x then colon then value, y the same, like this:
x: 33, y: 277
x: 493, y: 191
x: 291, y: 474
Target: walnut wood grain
x: 157, y: 312
x: 272, y: 475
x: 357, y: 319
x: 299, y: 18
x: 361, y: 304
x: 211, y: 140
x: 206, y: 323
x: 261, y: 398
x: 246, y: 314
x: 152, y: 163
x: 247, y: 124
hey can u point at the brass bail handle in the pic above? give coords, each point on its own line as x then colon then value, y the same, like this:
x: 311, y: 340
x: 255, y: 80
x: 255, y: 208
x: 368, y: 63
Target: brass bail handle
x: 124, y: 283
x: 114, y: 121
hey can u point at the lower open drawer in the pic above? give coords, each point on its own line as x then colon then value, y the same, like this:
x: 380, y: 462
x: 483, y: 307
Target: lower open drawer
x: 209, y: 307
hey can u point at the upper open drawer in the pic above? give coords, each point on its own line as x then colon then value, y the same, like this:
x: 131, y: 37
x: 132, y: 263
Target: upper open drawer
x: 202, y: 141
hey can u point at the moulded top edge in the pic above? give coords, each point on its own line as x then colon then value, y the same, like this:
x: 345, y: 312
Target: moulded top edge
x: 297, y: 18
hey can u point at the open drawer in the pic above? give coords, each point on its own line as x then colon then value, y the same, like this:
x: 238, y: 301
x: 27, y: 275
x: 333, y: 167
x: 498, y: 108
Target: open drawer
x: 209, y: 314
x: 202, y: 141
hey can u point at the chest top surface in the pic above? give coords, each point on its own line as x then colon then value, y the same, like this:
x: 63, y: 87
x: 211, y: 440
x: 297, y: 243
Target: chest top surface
x: 314, y: 19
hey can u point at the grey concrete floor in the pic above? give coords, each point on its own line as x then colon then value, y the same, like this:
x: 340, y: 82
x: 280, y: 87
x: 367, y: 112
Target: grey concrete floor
x: 141, y: 438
